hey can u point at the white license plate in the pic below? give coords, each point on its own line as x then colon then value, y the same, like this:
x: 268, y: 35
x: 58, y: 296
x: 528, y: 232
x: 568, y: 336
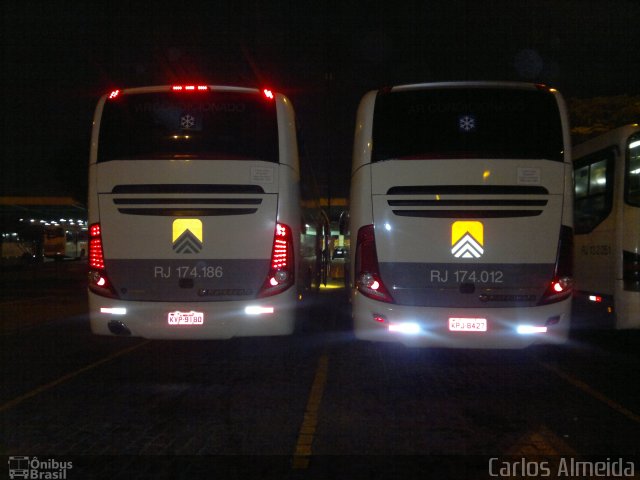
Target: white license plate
x: 185, y: 318
x: 464, y: 324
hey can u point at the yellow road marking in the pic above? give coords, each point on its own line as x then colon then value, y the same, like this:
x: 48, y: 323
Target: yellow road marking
x: 37, y: 391
x: 592, y: 392
x: 307, y: 432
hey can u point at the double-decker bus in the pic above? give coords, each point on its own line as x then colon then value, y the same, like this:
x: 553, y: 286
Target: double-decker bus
x: 195, y: 218
x: 607, y: 227
x: 461, y: 208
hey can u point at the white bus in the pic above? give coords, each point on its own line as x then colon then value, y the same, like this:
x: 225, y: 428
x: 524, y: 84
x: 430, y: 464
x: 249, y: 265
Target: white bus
x: 607, y: 227
x: 461, y: 212
x: 194, y: 213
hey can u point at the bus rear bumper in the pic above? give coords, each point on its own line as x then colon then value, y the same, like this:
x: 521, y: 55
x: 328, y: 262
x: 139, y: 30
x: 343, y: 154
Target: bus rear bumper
x: 430, y: 327
x: 194, y: 321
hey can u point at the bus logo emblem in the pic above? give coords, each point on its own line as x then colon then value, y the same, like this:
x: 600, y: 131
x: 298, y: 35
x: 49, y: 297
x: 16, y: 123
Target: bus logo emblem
x: 467, y: 239
x: 187, y: 235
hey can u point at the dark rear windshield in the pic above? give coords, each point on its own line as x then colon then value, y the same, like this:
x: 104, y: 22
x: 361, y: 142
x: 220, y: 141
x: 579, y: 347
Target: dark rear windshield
x: 193, y: 125
x: 467, y: 123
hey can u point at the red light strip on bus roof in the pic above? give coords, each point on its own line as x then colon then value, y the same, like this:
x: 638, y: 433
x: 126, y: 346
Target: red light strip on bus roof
x: 190, y: 88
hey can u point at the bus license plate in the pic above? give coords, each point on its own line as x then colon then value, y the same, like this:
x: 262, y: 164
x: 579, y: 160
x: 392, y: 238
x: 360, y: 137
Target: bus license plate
x: 186, y: 318
x: 460, y: 324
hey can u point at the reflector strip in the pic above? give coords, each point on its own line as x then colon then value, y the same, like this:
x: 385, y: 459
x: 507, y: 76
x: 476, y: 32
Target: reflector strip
x: 114, y: 311
x: 409, y: 328
x: 255, y: 310
x: 529, y: 329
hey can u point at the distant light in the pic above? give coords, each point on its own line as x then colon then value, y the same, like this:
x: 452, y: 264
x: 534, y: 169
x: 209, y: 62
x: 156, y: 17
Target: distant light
x: 530, y: 329
x: 268, y: 93
x: 114, y: 94
x: 256, y: 310
x: 409, y: 328
x: 635, y: 144
x: 595, y: 298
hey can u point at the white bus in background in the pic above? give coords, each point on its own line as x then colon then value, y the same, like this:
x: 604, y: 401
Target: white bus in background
x: 461, y: 216
x: 607, y: 227
x: 195, y: 220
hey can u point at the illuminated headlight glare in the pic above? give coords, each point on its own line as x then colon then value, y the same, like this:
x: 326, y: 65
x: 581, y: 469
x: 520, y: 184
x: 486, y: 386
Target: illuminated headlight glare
x: 529, y: 329
x: 409, y: 328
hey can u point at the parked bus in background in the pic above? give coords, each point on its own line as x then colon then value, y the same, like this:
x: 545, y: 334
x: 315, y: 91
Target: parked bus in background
x: 607, y: 227
x: 65, y: 241
x: 194, y: 213
x: 461, y: 212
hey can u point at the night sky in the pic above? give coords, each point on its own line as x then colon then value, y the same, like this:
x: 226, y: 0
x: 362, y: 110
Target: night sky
x: 59, y: 57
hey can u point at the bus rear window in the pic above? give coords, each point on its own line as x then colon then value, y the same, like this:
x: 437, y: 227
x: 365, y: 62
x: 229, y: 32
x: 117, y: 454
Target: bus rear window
x: 204, y: 125
x: 467, y: 123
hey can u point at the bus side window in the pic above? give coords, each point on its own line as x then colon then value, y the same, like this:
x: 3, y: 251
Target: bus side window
x: 593, y: 191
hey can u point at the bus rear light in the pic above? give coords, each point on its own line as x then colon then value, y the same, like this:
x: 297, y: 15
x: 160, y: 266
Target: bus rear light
x: 368, y: 279
x: 96, y: 256
x: 190, y: 88
x: 280, y: 276
x: 561, y: 286
x: 97, y: 278
x: 595, y: 298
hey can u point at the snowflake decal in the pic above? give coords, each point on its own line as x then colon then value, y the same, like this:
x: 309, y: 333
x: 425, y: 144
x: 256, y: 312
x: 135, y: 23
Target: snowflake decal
x: 467, y: 123
x: 187, y: 122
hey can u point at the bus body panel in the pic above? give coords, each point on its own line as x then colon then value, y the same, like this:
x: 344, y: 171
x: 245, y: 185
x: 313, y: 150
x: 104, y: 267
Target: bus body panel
x: 419, y: 209
x: 599, y: 247
x: 188, y: 243
x: 414, y: 241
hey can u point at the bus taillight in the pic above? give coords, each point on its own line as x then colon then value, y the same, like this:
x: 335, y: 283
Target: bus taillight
x: 97, y: 279
x: 268, y: 93
x: 368, y: 280
x: 561, y: 286
x: 281, y: 270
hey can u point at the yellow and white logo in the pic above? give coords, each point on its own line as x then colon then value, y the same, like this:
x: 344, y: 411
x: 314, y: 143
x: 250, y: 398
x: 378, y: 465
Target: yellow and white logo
x: 187, y: 235
x: 467, y: 239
